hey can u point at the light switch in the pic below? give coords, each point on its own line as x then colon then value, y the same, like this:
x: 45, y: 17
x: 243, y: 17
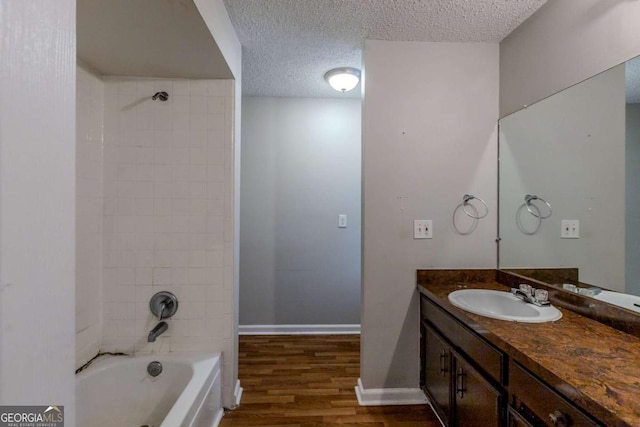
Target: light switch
x: 570, y: 229
x: 422, y: 229
x: 342, y: 221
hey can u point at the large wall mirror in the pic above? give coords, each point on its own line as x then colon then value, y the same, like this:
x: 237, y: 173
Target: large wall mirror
x: 570, y: 182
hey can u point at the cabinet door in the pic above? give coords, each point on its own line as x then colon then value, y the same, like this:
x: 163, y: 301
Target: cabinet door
x: 476, y: 401
x: 436, y: 370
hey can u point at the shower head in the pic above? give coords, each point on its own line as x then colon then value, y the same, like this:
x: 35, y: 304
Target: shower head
x: 162, y: 95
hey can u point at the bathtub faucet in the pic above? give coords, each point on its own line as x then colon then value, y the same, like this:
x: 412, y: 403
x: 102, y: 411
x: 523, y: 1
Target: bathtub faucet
x: 157, y: 331
x: 163, y: 305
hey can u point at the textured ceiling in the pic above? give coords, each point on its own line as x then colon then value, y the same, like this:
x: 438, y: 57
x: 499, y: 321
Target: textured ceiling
x: 288, y: 45
x: 633, y: 80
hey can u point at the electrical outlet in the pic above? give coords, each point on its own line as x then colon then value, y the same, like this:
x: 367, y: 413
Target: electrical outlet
x: 422, y: 229
x: 570, y: 229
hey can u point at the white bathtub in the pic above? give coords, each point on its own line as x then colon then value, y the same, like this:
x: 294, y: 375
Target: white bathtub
x: 118, y: 392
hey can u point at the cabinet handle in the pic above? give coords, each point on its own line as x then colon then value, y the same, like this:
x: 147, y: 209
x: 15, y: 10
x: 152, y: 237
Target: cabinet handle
x: 559, y: 419
x: 460, y: 383
x: 444, y: 357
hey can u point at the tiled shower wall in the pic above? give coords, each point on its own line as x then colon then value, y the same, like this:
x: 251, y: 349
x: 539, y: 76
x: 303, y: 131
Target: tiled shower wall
x: 168, y: 186
x: 154, y: 212
x: 89, y: 119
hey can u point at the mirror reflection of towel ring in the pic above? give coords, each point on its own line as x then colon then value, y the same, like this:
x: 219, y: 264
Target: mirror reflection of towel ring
x: 471, y: 211
x: 519, y: 220
x: 528, y: 202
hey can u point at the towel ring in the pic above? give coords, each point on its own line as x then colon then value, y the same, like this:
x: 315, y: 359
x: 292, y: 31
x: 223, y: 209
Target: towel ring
x: 474, y: 223
x: 471, y: 211
x: 519, y: 220
x: 465, y: 202
x: 528, y: 201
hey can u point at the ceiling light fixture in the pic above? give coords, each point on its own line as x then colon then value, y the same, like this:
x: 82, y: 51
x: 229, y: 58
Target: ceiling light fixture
x: 343, y: 79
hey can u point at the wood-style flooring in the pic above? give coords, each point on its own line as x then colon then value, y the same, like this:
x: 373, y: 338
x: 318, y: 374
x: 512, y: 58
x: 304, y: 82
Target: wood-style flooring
x: 305, y: 381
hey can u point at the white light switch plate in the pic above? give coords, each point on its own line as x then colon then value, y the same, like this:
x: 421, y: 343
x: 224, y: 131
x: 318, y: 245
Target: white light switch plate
x: 342, y: 221
x: 570, y: 229
x: 422, y: 229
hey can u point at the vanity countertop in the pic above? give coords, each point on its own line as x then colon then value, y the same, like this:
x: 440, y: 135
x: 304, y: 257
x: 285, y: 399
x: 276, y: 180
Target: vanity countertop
x: 594, y: 365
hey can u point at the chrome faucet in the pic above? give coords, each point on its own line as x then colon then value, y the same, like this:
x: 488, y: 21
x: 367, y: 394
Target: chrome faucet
x: 526, y: 293
x: 157, y: 331
x: 163, y: 305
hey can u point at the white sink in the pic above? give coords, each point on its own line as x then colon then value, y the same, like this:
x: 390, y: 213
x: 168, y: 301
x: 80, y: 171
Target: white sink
x: 502, y: 305
x: 622, y: 300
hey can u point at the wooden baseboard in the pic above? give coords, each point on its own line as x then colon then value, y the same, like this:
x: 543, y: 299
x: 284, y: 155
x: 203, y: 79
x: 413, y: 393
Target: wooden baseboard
x: 389, y: 396
x: 237, y: 393
x: 218, y: 418
x: 298, y: 329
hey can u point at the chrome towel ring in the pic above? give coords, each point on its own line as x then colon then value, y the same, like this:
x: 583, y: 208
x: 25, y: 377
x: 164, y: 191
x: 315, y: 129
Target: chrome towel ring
x: 471, y: 211
x: 465, y: 202
x: 534, y: 210
x: 528, y: 201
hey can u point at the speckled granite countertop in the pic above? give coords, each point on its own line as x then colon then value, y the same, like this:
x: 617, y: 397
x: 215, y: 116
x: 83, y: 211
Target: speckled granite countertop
x: 595, y: 366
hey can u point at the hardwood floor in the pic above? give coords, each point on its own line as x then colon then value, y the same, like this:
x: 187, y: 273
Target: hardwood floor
x: 305, y: 381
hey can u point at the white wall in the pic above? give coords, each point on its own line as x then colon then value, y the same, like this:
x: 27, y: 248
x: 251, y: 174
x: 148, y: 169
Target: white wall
x: 570, y: 150
x: 300, y: 169
x: 168, y: 206
x: 89, y: 168
x: 563, y: 43
x: 217, y: 19
x: 37, y: 203
x: 215, y: 16
x: 632, y: 198
x: 429, y: 137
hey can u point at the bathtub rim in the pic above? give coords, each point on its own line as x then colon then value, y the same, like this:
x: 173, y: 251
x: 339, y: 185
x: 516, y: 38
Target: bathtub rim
x: 205, y: 369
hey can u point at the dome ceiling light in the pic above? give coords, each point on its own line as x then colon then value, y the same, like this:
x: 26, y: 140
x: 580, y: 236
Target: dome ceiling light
x: 343, y: 79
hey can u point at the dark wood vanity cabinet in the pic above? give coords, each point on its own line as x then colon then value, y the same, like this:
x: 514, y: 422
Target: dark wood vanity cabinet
x: 540, y: 405
x: 514, y: 419
x: 472, y: 383
x: 436, y: 371
x: 476, y: 401
x: 459, y: 392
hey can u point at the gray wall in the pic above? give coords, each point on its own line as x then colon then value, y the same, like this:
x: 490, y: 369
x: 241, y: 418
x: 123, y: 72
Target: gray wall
x: 633, y: 199
x: 570, y: 150
x: 429, y: 137
x: 563, y: 43
x: 300, y: 169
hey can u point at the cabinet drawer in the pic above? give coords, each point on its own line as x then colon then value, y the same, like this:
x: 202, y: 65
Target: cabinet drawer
x: 484, y: 355
x: 515, y: 419
x: 541, y: 400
